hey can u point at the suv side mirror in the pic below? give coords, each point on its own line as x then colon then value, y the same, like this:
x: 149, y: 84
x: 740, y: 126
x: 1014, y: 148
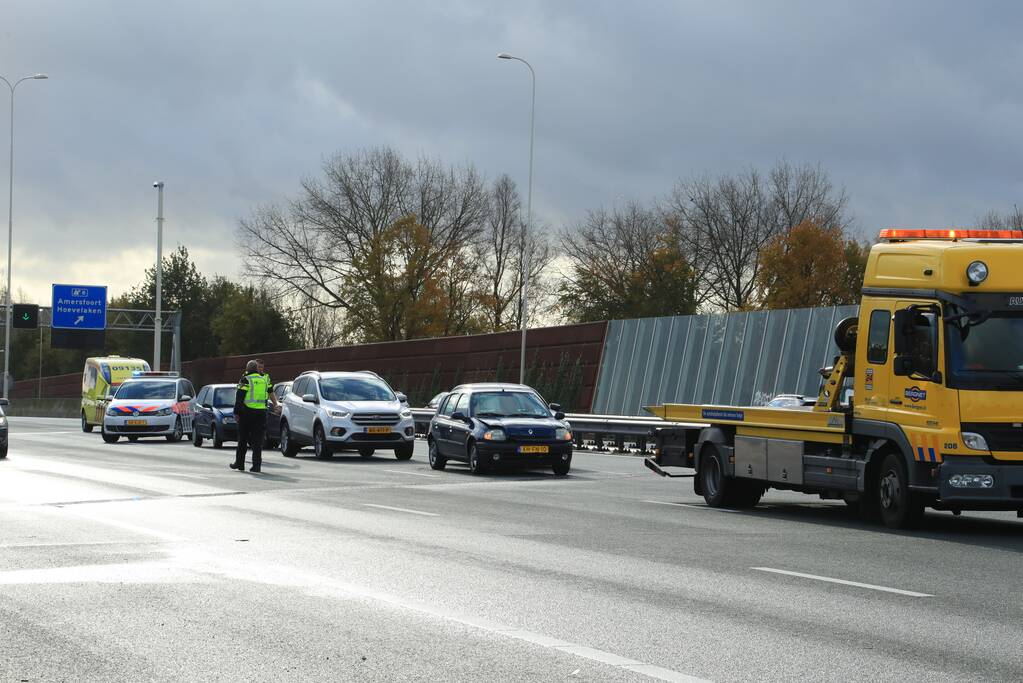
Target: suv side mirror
x: 184, y: 398
x: 459, y: 417
x: 402, y: 398
x: 556, y: 407
x: 559, y: 415
x: 207, y: 406
x: 309, y: 398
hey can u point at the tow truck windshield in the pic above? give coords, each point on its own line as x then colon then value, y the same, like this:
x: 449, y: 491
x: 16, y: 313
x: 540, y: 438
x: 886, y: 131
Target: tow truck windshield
x: 134, y: 391
x: 986, y: 351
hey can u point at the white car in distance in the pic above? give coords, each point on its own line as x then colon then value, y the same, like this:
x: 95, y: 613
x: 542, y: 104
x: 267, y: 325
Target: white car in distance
x: 355, y: 411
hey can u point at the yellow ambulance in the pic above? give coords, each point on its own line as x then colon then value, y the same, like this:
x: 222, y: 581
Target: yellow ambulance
x: 100, y: 380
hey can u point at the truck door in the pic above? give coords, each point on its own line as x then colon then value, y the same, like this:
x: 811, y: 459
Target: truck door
x: 872, y: 382
x: 917, y: 401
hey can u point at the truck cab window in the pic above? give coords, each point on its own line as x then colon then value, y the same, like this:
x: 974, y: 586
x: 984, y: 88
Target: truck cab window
x: 923, y: 340
x: 877, y: 338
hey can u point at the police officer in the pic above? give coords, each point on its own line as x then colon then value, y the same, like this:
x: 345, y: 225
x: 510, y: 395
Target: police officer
x: 254, y: 390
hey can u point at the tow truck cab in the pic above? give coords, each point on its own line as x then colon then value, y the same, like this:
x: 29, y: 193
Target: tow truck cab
x: 936, y: 360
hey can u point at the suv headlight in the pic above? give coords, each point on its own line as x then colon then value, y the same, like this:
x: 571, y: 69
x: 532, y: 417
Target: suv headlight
x: 406, y: 413
x: 975, y: 441
x: 495, y: 435
x: 3, y: 420
x: 112, y: 413
x: 339, y: 414
x: 562, y: 434
x: 163, y: 412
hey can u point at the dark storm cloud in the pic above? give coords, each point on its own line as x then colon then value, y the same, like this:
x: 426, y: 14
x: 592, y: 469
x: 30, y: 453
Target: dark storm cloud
x: 913, y: 107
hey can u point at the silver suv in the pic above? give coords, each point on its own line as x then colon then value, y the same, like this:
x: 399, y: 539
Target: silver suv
x: 335, y: 411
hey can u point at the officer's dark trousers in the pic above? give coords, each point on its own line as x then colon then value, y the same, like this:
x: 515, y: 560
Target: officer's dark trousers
x: 251, y: 425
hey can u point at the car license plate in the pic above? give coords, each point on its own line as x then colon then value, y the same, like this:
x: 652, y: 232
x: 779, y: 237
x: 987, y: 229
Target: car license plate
x: 136, y: 423
x: 378, y: 430
x: 534, y: 449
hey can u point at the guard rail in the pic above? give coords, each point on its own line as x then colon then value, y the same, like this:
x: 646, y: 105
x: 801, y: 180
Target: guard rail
x: 604, y: 429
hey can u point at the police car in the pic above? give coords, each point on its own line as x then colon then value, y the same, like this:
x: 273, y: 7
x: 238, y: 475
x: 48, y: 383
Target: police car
x: 149, y: 404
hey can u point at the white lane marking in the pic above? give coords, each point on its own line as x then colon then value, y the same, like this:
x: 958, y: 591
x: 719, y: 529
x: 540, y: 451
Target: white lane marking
x: 18, y: 435
x: 857, y: 584
x: 689, y: 505
x: 414, y: 474
x: 411, y: 512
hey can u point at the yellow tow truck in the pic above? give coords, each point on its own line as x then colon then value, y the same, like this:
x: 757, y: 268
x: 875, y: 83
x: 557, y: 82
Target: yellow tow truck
x: 935, y: 359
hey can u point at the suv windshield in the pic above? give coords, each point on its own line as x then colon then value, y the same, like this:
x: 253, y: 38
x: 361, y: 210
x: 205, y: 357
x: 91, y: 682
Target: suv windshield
x: 508, y: 404
x: 355, y: 389
x: 134, y: 391
x: 987, y: 354
x: 223, y: 397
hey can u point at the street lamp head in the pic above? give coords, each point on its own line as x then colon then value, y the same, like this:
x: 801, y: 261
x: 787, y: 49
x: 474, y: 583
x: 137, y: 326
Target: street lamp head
x: 504, y: 55
x: 158, y: 184
x: 40, y: 77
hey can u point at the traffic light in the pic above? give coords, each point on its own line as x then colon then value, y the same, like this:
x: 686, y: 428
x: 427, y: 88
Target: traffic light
x: 26, y: 316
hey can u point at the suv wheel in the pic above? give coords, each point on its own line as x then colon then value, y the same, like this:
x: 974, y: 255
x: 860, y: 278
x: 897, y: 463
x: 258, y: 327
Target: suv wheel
x: 320, y: 445
x: 288, y: 448
x: 367, y: 452
x: 404, y: 451
x: 86, y: 427
x: 437, y: 461
x: 178, y: 432
x: 108, y: 438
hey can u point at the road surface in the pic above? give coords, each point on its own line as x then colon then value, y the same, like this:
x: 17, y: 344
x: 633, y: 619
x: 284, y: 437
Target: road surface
x: 155, y: 561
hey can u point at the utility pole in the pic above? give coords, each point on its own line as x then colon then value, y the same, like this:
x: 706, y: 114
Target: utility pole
x: 159, y: 273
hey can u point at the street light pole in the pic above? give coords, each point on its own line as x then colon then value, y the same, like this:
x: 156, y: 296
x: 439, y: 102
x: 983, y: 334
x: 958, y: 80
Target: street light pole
x: 10, y: 234
x: 529, y: 220
x: 159, y: 273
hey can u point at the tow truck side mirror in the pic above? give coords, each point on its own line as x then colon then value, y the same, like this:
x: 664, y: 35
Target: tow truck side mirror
x: 903, y: 321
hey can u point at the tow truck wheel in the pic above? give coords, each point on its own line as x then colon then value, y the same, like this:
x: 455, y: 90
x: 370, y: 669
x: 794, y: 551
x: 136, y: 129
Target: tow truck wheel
x: 719, y: 490
x: 900, y: 508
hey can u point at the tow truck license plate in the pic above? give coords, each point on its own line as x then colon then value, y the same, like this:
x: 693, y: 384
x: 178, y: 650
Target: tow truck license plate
x: 136, y: 423
x: 378, y: 430
x: 534, y: 449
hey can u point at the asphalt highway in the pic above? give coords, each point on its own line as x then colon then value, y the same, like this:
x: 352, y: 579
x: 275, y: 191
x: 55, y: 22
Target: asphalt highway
x: 155, y: 561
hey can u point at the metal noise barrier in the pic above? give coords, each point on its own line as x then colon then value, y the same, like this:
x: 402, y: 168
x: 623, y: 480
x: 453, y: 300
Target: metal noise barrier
x: 605, y: 429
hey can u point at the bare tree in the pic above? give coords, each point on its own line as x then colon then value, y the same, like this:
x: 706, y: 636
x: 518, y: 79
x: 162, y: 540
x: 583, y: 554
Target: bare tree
x: 724, y: 223
x: 1011, y: 220
x: 376, y: 230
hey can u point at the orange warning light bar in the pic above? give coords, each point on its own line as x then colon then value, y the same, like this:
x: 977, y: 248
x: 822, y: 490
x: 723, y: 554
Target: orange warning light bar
x: 896, y: 234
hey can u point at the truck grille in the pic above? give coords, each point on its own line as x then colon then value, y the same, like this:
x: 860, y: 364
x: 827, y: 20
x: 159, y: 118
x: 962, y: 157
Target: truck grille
x: 1000, y: 436
x: 370, y: 419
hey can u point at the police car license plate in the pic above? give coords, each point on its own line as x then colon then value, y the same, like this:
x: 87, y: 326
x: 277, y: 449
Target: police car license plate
x: 136, y: 423
x: 378, y: 430
x: 534, y: 449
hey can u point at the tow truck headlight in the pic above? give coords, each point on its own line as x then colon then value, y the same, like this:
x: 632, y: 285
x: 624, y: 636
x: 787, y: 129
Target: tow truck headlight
x: 494, y: 435
x: 976, y: 272
x: 340, y: 414
x: 971, y: 481
x: 975, y: 441
x: 563, y: 434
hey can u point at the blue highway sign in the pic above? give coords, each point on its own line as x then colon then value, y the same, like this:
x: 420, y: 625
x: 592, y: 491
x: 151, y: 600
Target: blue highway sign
x: 79, y: 307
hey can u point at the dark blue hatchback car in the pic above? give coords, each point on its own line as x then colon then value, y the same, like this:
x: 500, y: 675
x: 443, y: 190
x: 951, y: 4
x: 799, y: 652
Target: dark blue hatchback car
x: 214, y: 415
x: 491, y: 425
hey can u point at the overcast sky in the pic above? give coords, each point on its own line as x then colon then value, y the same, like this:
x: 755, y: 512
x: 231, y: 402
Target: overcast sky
x: 916, y: 108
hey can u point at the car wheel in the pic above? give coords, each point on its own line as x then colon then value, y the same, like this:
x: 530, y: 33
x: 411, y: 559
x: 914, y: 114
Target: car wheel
x: 133, y: 438
x: 178, y: 432
x: 218, y: 440
x: 86, y: 427
x: 196, y: 437
x: 404, y: 451
x: 562, y: 468
x: 3, y: 451
x: 437, y: 461
x: 288, y: 448
x: 108, y: 438
x: 900, y: 508
x: 367, y: 452
x: 320, y: 445
x: 475, y: 465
